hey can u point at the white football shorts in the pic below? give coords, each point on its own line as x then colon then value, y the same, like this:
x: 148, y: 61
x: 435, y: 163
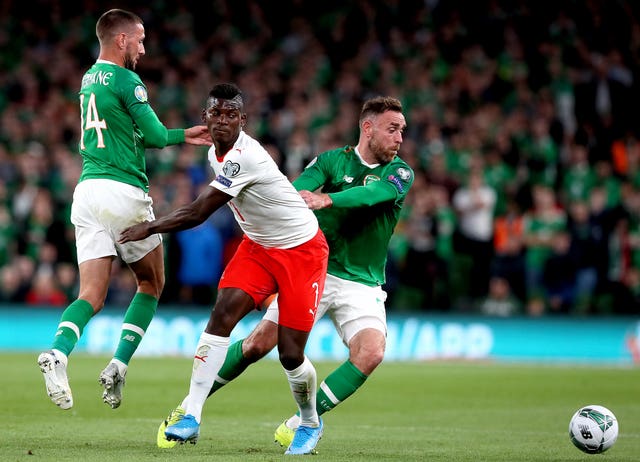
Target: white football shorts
x: 351, y: 306
x: 101, y: 209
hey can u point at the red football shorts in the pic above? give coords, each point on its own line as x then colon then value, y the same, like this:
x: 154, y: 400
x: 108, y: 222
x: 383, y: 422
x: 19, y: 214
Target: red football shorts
x: 296, y: 274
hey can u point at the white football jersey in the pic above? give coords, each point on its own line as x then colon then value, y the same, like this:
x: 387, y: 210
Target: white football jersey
x: 265, y: 204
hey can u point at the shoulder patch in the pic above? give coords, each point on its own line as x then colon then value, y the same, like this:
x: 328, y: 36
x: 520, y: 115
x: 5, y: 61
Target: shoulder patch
x: 224, y: 181
x: 403, y: 173
x: 231, y: 168
x: 396, y: 182
x: 141, y: 94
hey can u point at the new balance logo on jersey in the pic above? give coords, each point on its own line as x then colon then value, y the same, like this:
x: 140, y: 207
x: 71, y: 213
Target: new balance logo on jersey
x: 347, y: 179
x: 129, y: 338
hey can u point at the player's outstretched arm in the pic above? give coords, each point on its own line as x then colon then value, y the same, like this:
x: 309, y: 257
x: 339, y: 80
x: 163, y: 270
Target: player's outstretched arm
x: 186, y: 217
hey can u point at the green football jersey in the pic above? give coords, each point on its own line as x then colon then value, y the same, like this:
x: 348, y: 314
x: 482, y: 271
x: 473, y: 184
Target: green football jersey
x: 111, y: 143
x: 366, y: 208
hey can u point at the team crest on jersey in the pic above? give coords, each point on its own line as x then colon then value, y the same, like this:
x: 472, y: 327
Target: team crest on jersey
x: 403, y: 173
x: 370, y: 179
x: 231, y: 168
x: 140, y: 93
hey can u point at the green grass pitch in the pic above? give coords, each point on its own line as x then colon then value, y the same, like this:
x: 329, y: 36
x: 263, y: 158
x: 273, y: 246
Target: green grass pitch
x: 429, y: 411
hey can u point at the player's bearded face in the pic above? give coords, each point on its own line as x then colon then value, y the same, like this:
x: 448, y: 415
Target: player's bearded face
x: 132, y: 55
x: 383, y: 148
x: 134, y: 48
x: 386, y: 137
x: 382, y: 154
x: 130, y: 62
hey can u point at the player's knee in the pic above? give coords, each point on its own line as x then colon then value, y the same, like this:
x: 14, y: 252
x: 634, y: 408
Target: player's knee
x: 95, y: 300
x: 291, y: 360
x: 376, y: 358
x: 152, y: 286
x: 160, y: 283
x: 255, y: 347
x: 367, y: 359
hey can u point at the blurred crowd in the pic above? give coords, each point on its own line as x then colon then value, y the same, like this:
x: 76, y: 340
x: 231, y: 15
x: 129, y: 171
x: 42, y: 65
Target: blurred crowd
x: 521, y: 132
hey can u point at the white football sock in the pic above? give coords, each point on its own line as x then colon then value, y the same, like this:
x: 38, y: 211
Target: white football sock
x: 210, y: 354
x: 302, y: 381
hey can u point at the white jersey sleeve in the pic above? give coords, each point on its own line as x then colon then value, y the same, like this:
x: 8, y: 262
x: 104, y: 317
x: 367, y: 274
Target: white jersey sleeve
x: 265, y: 204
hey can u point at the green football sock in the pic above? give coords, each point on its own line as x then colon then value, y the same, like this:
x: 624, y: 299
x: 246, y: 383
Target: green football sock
x: 234, y: 365
x: 338, y: 386
x: 135, y: 323
x: 72, y: 322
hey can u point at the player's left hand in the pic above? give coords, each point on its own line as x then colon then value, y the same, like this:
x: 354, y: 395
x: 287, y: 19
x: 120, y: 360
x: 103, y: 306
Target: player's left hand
x: 134, y: 233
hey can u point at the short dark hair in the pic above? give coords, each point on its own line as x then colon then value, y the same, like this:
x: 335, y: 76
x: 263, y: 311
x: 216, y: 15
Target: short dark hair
x: 379, y: 105
x: 226, y: 91
x: 113, y: 21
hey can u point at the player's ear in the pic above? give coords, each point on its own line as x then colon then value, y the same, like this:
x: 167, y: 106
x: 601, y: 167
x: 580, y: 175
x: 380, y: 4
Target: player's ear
x: 121, y: 41
x: 365, y: 127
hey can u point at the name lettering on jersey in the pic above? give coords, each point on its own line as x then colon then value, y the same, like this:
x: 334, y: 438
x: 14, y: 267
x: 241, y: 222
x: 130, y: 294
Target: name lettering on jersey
x: 224, y: 181
x: 397, y: 183
x: 370, y: 179
x: 347, y: 179
x: 141, y: 94
x: 100, y: 77
x: 231, y: 168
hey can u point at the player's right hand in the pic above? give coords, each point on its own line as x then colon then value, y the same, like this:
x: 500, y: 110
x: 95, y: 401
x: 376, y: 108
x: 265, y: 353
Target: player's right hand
x: 135, y: 233
x: 316, y: 201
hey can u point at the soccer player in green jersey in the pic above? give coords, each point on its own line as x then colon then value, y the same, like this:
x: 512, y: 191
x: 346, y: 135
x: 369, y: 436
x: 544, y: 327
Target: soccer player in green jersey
x: 361, y: 192
x: 117, y: 124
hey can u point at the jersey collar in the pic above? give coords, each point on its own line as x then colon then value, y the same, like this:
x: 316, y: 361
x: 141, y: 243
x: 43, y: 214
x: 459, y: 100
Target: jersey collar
x: 355, y: 149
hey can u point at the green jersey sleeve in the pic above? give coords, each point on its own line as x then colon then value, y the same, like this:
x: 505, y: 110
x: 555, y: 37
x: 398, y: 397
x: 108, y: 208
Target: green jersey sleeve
x: 155, y: 134
x: 311, y: 178
x: 364, y: 196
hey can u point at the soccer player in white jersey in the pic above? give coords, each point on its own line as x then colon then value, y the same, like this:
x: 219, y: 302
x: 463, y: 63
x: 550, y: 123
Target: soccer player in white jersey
x: 283, y: 251
x: 362, y: 190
